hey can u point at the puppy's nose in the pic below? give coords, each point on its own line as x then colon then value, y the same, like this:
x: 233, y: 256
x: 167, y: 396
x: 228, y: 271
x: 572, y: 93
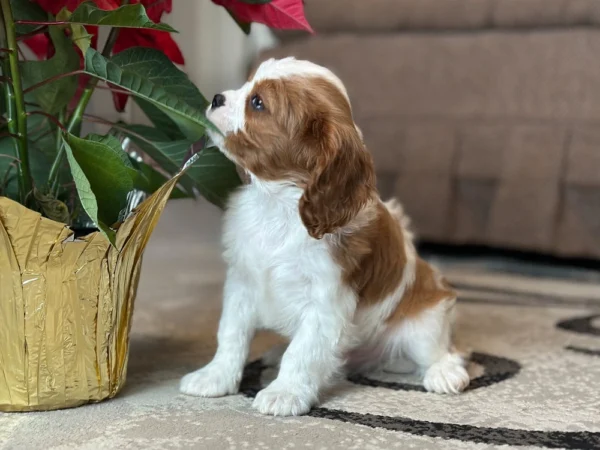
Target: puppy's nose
x: 218, y: 100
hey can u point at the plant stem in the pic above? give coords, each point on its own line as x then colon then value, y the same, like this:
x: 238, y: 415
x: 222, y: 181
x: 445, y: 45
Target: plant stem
x: 10, y: 157
x: 61, y: 118
x: 21, y: 54
x: 52, y: 79
x: 116, y: 126
x: 114, y: 90
x: 52, y: 119
x: 37, y: 22
x: 75, y: 120
x: 59, y: 143
x: 18, y: 115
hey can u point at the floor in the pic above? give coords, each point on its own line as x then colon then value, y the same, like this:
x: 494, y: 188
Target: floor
x: 534, y: 332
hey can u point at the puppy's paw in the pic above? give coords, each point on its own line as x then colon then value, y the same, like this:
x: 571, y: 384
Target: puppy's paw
x: 276, y: 400
x: 447, y: 376
x: 210, y: 381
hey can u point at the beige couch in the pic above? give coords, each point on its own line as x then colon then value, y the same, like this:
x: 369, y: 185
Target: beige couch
x: 483, y: 116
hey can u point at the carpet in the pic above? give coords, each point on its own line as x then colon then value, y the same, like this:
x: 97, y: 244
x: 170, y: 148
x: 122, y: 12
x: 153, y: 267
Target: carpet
x: 534, y: 331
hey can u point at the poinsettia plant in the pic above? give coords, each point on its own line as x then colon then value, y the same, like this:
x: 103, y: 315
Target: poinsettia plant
x: 48, y: 165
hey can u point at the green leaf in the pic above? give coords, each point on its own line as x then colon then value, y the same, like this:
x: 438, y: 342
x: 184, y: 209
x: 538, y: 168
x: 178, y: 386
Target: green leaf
x: 150, y: 180
x: 158, y: 68
x: 27, y: 10
x: 150, y: 75
x: 81, y: 38
x: 102, y: 178
x: 167, y: 153
x: 55, y: 95
x: 113, y: 143
x: 40, y: 160
x: 41, y: 136
x: 87, y: 197
x: 213, y: 175
x: 127, y: 16
x: 159, y: 119
x: 173, y: 82
x: 8, y: 169
x: 79, y: 35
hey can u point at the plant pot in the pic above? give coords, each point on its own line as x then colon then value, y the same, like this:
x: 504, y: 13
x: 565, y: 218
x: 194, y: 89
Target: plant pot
x: 66, y: 306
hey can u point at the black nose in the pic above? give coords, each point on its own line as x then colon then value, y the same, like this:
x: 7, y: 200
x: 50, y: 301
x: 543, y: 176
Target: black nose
x: 218, y: 100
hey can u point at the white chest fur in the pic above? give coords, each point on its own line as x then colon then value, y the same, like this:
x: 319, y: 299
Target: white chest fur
x: 267, y: 244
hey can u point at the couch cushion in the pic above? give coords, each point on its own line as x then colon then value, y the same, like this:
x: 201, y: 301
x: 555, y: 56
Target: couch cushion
x: 392, y: 15
x: 547, y: 75
x: 487, y: 138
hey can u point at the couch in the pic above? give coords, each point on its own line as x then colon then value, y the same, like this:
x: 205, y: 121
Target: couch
x: 483, y: 116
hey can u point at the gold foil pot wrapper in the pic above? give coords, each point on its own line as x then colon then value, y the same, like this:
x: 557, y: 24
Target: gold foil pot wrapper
x: 66, y: 306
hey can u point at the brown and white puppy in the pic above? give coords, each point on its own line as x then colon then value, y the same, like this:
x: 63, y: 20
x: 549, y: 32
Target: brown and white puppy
x: 312, y: 251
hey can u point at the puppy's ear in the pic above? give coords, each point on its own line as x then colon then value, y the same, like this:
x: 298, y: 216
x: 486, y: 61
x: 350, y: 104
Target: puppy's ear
x: 343, y: 178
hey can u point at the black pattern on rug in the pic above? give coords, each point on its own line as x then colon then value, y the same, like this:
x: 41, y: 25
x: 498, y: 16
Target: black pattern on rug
x: 497, y: 369
x: 581, y: 325
x: 483, y: 435
x: 584, y: 351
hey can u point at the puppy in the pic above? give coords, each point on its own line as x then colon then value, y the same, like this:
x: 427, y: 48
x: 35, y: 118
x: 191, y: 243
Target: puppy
x: 314, y: 254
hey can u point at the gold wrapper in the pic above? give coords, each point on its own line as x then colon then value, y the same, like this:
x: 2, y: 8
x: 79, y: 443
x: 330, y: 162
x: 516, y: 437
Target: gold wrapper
x: 66, y: 306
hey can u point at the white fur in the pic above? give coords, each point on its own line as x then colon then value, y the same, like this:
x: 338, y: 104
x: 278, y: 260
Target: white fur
x: 280, y: 278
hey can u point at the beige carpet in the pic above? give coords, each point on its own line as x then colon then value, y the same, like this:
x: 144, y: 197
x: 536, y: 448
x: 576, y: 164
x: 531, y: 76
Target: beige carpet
x: 535, y: 333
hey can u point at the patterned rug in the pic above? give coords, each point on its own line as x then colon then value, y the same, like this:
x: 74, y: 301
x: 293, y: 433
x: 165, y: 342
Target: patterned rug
x: 534, y: 331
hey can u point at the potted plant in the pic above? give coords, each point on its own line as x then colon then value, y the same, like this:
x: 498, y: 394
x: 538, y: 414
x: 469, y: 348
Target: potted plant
x: 66, y: 298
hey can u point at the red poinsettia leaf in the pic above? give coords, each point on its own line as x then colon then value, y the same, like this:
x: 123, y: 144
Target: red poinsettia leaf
x: 54, y: 6
x: 281, y: 14
x: 156, y: 8
x: 38, y: 44
x: 166, y: 43
x: 149, y: 38
x: 119, y: 99
x: 107, y: 5
x: 51, y: 6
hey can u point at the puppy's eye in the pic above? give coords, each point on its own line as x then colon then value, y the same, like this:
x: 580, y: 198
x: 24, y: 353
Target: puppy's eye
x: 257, y: 103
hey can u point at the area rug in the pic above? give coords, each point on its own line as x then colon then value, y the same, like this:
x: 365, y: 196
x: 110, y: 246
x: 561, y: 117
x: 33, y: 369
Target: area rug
x: 534, y: 333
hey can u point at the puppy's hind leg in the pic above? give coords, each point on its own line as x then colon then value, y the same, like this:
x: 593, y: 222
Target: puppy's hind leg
x: 427, y: 342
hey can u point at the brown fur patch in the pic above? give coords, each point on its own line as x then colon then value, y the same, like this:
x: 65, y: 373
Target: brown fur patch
x: 428, y: 289
x: 306, y: 135
x: 373, y: 260
x: 373, y: 257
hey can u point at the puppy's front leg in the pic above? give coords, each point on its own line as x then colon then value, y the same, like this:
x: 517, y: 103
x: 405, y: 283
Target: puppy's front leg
x: 223, y: 374
x: 310, y: 361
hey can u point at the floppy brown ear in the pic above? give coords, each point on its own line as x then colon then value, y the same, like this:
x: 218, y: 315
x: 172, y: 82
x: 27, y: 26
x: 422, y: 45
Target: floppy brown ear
x: 343, y: 180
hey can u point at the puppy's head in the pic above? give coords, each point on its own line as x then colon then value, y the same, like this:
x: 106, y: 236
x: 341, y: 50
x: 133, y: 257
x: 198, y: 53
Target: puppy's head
x: 292, y: 123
